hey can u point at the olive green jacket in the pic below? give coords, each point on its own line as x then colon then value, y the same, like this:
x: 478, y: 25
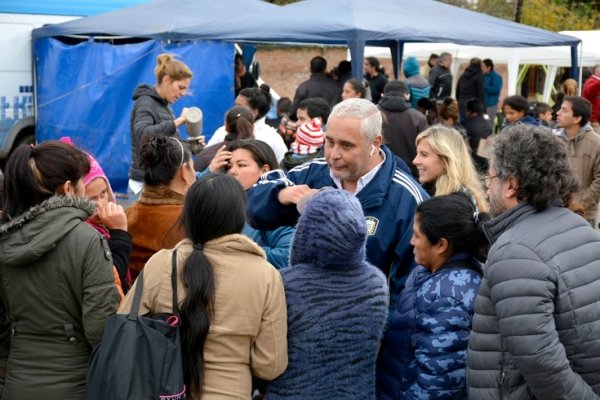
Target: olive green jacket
x: 57, y: 289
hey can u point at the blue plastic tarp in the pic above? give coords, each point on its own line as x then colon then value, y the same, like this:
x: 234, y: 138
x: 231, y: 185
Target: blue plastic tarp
x: 84, y: 91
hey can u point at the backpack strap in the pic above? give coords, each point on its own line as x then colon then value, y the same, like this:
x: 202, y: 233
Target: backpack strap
x: 137, y: 297
x: 174, y: 282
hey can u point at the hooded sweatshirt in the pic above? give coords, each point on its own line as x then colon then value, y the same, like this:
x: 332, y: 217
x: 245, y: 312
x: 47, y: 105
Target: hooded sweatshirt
x: 400, y: 128
x: 151, y: 115
x: 337, y: 304
x: 470, y: 86
x: 417, y: 85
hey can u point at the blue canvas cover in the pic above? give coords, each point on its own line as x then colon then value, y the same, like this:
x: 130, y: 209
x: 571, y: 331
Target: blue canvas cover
x: 84, y: 91
x: 167, y: 20
x: 354, y: 23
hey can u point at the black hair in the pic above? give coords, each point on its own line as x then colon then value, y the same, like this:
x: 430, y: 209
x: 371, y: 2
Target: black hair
x: 344, y: 67
x: 316, y: 107
x: 284, y: 105
x: 489, y: 63
x: 397, y: 87
x: 517, y: 103
x: 433, y: 57
x: 474, y: 106
x: 541, y: 108
x: 161, y: 157
x: 214, y: 206
x: 358, y: 86
x: 454, y: 217
x: 581, y: 108
x: 374, y: 61
x: 429, y: 109
x: 259, y: 99
x: 36, y: 173
x: 239, y: 123
x: 318, y: 65
x: 261, y: 152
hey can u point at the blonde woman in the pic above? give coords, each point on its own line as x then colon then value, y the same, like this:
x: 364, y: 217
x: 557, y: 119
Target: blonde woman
x: 444, y: 162
x: 152, y: 114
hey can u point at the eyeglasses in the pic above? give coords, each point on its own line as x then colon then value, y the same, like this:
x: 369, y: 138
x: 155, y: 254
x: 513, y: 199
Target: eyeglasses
x: 487, y: 178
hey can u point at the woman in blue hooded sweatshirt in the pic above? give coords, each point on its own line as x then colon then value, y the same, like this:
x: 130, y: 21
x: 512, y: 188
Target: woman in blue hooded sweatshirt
x: 419, y: 86
x: 336, y: 303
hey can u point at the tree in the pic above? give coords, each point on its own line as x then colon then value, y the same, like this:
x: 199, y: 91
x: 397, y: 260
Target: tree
x: 553, y: 15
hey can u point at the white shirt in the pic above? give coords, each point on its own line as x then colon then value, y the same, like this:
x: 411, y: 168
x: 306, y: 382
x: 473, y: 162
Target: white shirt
x: 363, y: 180
x: 262, y: 132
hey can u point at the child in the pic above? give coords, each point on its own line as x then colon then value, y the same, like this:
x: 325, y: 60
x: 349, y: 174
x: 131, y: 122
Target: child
x: 307, y: 145
x: 110, y: 219
x: 543, y: 112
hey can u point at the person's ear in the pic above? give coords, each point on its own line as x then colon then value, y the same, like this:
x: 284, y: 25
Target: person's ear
x: 66, y: 188
x: 512, y: 188
x: 442, y: 246
x: 186, y: 174
x: 265, y: 168
x: 378, y: 140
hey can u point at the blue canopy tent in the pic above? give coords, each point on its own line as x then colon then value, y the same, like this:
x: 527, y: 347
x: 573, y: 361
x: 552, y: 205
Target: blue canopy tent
x: 83, y: 90
x: 392, y: 23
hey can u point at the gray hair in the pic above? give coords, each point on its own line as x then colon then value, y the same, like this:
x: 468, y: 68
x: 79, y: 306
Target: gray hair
x: 538, y: 159
x: 367, y: 112
x: 444, y: 56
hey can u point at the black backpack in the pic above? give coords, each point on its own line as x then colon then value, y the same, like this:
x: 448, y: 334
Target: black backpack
x: 139, y: 356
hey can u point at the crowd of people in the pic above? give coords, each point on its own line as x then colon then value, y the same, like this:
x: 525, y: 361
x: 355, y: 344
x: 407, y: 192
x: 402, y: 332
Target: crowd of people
x: 380, y: 241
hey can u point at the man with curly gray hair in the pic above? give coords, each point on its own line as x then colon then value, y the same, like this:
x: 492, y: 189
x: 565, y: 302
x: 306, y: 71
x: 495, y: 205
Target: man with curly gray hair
x: 536, y: 328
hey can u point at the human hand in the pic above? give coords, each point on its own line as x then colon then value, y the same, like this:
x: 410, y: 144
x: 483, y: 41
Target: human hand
x: 220, y: 160
x: 112, y: 216
x: 293, y: 194
x: 181, y: 119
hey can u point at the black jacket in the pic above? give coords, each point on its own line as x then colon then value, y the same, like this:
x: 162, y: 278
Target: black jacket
x: 318, y: 85
x: 478, y: 128
x: 151, y: 115
x: 470, y: 86
x: 440, y: 79
x: 401, y: 125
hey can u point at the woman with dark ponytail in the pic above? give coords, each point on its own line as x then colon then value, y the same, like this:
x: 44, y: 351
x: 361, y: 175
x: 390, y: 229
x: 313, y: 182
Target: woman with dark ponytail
x: 258, y: 100
x: 57, y: 287
x: 425, y: 347
x: 152, y: 219
x: 239, y: 125
x: 231, y: 299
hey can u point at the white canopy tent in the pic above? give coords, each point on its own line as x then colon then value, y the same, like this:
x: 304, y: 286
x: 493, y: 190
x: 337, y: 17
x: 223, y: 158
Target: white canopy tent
x: 554, y: 56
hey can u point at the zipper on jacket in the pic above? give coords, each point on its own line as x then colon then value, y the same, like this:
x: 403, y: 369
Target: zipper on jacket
x: 504, y: 389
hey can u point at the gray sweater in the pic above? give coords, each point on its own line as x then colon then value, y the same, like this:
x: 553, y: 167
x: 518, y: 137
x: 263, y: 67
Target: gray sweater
x: 536, y: 329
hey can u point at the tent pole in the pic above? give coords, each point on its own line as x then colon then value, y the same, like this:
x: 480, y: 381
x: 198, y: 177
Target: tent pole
x: 574, y: 63
x: 397, y: 50
x: 357, y: 55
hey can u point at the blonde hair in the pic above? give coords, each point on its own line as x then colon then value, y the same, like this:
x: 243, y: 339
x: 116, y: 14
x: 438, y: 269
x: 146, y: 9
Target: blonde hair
x: 569, y: 87
x: 460, y: 173
x: 167, y: 65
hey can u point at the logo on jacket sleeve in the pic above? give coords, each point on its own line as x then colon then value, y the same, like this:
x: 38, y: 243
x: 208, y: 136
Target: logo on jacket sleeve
x: 372, y: 224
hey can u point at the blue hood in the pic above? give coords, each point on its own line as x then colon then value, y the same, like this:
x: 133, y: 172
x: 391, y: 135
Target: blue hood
x: 411, y: 67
